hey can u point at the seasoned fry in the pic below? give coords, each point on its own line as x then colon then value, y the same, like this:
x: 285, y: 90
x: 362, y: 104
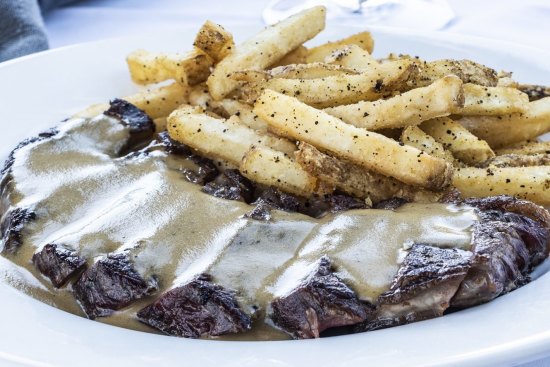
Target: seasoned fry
x: 353, y: 57
x: 410, y: 108
x: 356, y: 180
x: 535, y: 92
x: 417, y: 138
x: 273, y: 168
x: 466, y: 147
x: 214, y: 40
x: 500, y: 131
x: 339, y: 89
x: 526, y: 148
x: 468, y: 71
x: 361, y: 39
x: 373, y: 151
x: 217, y: 138
x: 266, y: 48
x: 156, y: 102
x: 532, y: 183
x: 315, y: 70
x: 480, y: 100
x: 296, y: 56
x: 517, y: 160
x: 160, y: 124
x: 188, y: 68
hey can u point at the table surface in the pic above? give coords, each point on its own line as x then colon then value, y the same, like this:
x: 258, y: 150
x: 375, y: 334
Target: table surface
x: 526, y: 22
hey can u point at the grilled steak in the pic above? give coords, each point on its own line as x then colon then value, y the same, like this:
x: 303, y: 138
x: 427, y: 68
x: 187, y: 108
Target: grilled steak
x: 58, y: 263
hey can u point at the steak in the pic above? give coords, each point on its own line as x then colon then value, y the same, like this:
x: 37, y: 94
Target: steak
x: 198, y: 308
x: 111, y: 284
x: 12, y: 226
x: 141, y: 126
x: 58, y: 263
x: 320, y: 302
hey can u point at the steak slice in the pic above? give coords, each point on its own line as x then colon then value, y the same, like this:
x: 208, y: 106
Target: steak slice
x: 511, y: 237
x: 140, y: 124
x: 58, y: 263
x: 111, y: 284
x: 231, y: 185
x: 198, y: 308
x: 321, y: 302
x: 12, y: 226
x: 423, y: 287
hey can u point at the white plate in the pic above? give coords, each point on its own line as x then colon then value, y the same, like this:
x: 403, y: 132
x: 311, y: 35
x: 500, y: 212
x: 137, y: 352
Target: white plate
x: 38, y: 91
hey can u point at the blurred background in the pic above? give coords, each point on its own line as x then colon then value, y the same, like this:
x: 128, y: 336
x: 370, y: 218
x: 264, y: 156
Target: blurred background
x: 68, y: 22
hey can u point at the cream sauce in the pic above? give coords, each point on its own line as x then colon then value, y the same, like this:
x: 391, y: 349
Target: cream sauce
x: 88, y: 199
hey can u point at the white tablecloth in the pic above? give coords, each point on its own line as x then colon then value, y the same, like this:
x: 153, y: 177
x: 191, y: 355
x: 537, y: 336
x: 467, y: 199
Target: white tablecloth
x: 522, y: 21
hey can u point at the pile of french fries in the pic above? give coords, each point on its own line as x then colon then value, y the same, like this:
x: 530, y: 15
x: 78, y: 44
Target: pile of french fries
x: 314, y: 120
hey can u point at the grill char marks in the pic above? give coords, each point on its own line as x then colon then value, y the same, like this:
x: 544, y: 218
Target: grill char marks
x: 423, y: 287
x: 111, y: 284
x: 58, y: 263
x: 198, y: 308
x: 12, y: 226
x: 139, y: 123
x: 511, y: 238
x: 321, y: 302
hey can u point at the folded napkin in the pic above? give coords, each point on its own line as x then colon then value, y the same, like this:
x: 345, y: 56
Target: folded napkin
x: 22, y: 28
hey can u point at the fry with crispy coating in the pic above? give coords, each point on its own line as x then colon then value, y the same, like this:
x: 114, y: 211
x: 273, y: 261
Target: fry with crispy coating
x: 480, y: 100
x: 339, y: 89
x: 266, y: 48
x: 361, y: 39
x: 468, y: 71
x: 417, y: 138
x: 214, y: 40
x: 532, y: 183
x: 466, y: 147
x: 356, y: 180
x: 353, y: 57
x: 526, y: 148
x: 315, y: 70
x: 371, y: 150
x: 518, y: 160
x: 273, y: 168
x: 188, y: 68
x: 296, y: 56
x: 409, y: 108
x: 500, y: 131
x: 217, y: 138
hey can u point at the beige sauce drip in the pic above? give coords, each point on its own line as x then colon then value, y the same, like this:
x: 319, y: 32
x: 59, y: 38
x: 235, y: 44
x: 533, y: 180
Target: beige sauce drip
x: 88, y: 199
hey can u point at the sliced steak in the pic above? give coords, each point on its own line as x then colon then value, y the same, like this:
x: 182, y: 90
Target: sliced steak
x: 12, y: 226
x: 58, y: 263
x: 391, y: 204
x: 110, y: 284
x: 140, y: 124
x: 231, y: 185
x: 42, y: 136
x: 423, y: 287
x: 342, y: 202
x: 273, y: 198
x: 321, y: 302
x: 511, y: 237
x: 173, y: 147
x: 198, y: 308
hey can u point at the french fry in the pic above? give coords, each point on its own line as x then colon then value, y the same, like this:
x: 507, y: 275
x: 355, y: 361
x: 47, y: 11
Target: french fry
x: 500, y: 131
x: 214, y: 40
x: 517, y: 160
x: 531, y: 183
x: 361, y: 39
x: 468, y: 71
x: 526, y: 148
x: 417, y: 138
x: 156, y: 102
x: 188, y: 68
x: 535, y: 92
x: 480, y: 100
x: 315, y: 70
x: 339, y: 89
x: 160, y: 124
x: 266, y: 48
x: 216, y: 138
x: 373, y: 151
x: 273, y: 168
x: 466, y: 147
x: 356, y: 180
x: 353, y: 57
x: 296, y: 56
x: 409, y: 108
